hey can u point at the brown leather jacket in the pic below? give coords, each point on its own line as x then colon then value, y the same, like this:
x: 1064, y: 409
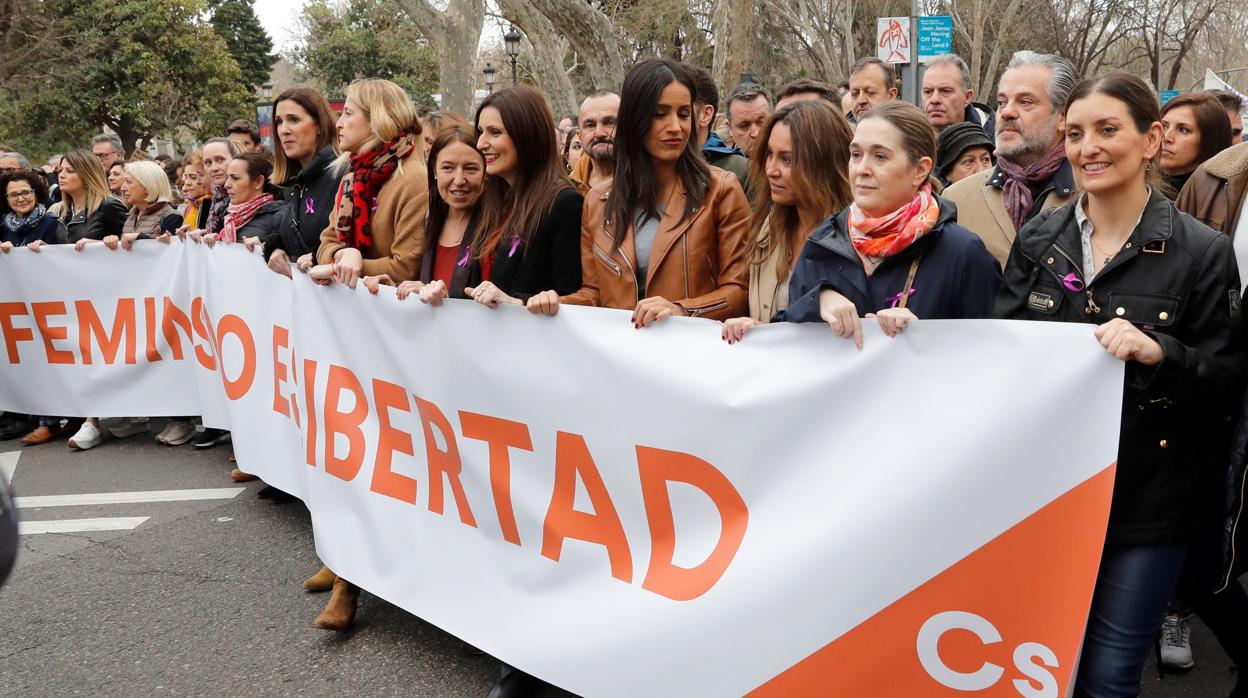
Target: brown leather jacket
x: 698, y: 263
x: 1215, y: 193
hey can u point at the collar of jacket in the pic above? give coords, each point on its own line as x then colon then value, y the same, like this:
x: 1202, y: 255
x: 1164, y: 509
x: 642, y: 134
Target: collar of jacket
x: 715, y: 144
x: 833, y: 234
x: 1059, y: 227
x: 976, y: 113
x: 323, y: 158
x: 1230, y: 163
x: 1063, y: 182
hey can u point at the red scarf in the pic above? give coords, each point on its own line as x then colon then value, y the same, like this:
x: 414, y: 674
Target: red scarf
x: 876, y: 239
x: 238, y: 215
x: 357, y: 197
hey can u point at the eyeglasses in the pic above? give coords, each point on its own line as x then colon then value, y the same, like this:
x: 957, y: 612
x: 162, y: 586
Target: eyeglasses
x: 15, y: 195
x: 101, y: 156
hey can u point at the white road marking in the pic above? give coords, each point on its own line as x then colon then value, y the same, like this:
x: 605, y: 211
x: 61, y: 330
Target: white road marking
x: 79, y: 500
x: 8, y: 464
x: 123, y: 523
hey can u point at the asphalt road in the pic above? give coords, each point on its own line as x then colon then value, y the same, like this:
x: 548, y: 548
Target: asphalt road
x: 203, y: 597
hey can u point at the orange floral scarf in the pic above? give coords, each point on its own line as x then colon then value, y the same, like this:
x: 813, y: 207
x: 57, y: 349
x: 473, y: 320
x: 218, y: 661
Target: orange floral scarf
x: 876, y: 239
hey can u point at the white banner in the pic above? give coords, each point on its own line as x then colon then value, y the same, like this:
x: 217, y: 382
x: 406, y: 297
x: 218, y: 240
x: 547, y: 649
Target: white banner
x: 626, y: 512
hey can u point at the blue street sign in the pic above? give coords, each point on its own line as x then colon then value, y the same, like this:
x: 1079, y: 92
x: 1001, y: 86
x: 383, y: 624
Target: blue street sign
x: 1167, y: 95
x: 935, y: 37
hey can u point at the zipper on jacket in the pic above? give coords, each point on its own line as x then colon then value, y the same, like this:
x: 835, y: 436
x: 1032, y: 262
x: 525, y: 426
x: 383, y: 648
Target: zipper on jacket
x: 1091, y: 308
x: 633, y: 275
x: 696, y: 312
x: 607, y: 261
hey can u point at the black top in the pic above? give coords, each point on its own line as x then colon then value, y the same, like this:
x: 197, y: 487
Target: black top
x: 957, y: 276
x: 107, y: 220
x: 309, y: 198
x: 47, y: 228
x: 1176, y: 280
x: 264, y: 223
x: 550, y: 261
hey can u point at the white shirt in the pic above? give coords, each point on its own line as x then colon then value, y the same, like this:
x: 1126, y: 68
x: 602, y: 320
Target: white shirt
x: 1239, y: 240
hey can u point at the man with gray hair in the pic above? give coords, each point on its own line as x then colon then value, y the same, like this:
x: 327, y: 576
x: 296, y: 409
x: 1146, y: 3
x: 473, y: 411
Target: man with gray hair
x: 1032, y: 173
x: 948, y: 98
x: 12, y: 161
x: 108, y: 148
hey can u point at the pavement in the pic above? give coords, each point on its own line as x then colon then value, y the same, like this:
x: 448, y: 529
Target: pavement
x: 201, y: 595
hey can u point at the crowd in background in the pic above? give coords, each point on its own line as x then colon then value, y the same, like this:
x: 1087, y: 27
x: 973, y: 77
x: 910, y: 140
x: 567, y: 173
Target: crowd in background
x: 1060, y: 199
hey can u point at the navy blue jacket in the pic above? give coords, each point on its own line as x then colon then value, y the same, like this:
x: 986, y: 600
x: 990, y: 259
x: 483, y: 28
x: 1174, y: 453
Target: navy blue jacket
x: 957, y: 276
x: 49, y: 229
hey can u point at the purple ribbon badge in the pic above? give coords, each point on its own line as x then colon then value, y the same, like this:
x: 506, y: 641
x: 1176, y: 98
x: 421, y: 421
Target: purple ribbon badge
x: 463, y: 261
x: 307, y: 203
x: 515, y: 242
x: 373, y: 208
x: 896, y: 300
x: 1073, y: 282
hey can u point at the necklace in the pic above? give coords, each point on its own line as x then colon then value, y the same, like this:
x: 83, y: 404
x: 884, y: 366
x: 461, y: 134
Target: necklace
x: 1098, y: 248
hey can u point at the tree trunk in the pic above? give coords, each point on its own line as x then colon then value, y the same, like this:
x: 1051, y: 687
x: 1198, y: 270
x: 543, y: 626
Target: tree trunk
x: 547, y: 55
x: 733, y: 25
x: 453, y: 35
x: 591, y: 35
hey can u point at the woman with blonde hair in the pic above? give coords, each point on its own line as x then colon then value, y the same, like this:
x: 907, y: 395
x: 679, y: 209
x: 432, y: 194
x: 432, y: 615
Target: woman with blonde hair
x: 146, y: 189
x: 377, y: 226
x: 87, y: 206
x: 800, y: 181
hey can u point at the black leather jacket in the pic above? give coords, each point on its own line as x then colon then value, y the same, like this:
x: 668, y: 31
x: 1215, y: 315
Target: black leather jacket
x: 309, y: 197
x: 1177, y: 280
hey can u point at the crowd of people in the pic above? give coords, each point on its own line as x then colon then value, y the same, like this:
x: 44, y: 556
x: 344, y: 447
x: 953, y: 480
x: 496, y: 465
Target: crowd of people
x: 1070, y: 200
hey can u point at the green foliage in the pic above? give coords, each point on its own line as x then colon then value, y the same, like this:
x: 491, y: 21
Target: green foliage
x: 142, y: 68
x: 248, y: 42
x: 365, y: 39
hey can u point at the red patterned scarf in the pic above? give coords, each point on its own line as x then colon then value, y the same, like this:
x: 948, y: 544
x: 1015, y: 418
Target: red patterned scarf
x: 876, y: 239
x: 1020, y: 180
x: 239, y: 215
x: 357, y: 197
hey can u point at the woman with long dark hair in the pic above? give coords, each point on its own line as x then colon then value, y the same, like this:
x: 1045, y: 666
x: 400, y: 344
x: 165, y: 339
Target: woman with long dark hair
x: 800, y: 179
x: 303, y: 165
x: 1162, y: 291
x: 668, y: 238
x: 532, y: 242
x: 456, y: 218
x: 1195, y: 127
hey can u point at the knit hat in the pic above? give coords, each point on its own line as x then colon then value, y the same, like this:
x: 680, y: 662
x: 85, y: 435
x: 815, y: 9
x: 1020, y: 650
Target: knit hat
x: 957, y: 139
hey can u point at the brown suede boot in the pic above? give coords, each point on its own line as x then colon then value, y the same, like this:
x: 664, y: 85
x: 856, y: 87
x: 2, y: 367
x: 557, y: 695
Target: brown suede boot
x: 323, y: 580
x: 339, y: 613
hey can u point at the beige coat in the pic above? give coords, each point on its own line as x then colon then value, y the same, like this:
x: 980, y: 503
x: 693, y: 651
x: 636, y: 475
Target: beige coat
x: 397, y: 226
x: 981, y: 209
x: 768, y: 294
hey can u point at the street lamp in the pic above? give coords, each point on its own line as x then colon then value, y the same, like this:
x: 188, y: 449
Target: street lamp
x: 512, y: 39
x: 490, y: 76
x: 267, y: 90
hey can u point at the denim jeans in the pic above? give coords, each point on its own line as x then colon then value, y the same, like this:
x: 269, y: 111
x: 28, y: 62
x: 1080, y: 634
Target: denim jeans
x: 1132, y: 590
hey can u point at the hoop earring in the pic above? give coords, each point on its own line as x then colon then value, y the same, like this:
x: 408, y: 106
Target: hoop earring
x: 1151, y: 166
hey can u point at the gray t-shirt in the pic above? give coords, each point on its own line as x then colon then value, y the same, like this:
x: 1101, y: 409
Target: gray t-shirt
x: 643, y: 238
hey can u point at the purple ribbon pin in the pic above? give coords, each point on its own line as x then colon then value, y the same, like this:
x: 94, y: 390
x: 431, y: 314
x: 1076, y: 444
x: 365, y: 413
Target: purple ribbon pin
x: 896, y: 300
x: 463, y: 261
x: 1073, y: 282
x: 515, y: 242
x: 308, y: 206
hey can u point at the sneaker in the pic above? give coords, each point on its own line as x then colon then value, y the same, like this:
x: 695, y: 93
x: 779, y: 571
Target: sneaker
x: 87, y: 436
x: 164, y: 433
x: 212, y: 438
x: 1175, y: 651
x: 130, y: 427
x: 178, y: 433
